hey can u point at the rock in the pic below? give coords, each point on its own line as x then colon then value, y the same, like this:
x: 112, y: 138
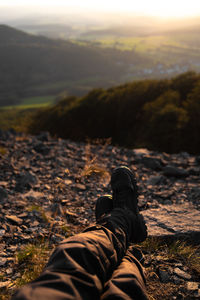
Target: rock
x: 164, y: 194
x: 25, y: 181
x: 192, y: 286
x: 4, y: 284
x: 194, y: 171
x: 3, y: 262
x: 80, y: 186
x: 198, y: 160
x: 164, y: 276
x: 68, y: 181
x: 185, y: 155
x: 141, y: 151
x: 57, y: 209
x: 182, y: 274
x: 3, y: 194
x: 71, y: 217
x: 14, y: 220
x: 9, y: 271
x: 169, y: 220
x: 172, y: 171
x: 41, y: 148
x: 156, y: 180
x: 43, y: 136
x: 4, y: 135
x: 2, y: 232
x: 12, y: 131
x: 151, y: 163
x: 56, y: 188
x: 195, y: 191
x: 176, y: 280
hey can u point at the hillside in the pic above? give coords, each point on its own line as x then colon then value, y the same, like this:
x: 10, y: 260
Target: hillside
x: 48, y: 191
x: 173, y: 47
x: 35, y: 65
x: 157, y: 114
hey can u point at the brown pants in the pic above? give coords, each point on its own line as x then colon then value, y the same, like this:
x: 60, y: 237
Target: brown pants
x: 94, y: 264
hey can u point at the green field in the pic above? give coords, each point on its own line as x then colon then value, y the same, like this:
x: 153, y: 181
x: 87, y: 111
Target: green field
x: 33, y: 102
x: 17, y: 116
x: 164, y: 48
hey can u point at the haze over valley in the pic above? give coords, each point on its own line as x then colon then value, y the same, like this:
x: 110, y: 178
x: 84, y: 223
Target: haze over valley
x: 47, y: 53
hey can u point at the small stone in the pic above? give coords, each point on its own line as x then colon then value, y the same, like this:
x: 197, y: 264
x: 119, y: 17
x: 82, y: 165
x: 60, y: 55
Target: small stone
x: 198, y: 160
x: 67, y: 181
x: 192, y: 286
x: 194, y: 171
x: 14, y: 220
x: 42, y: 148
x: 43, y: 136
x: 172, y: 171
x: 164, y: 276
x: 81, y: 186
x: 3, y: 262
x: 182, y: 274
x: 25, y: 181
x: 4, y: 284
x: 176, y: 280
x: 155, y: 180
x: 23, y: 215
x: 3, y: 194
x: 9, y: 271
x: 71, y: 217
x: 164, y: 194
x: 2, y: 232
x: 151, y: 162
x: 141, y: 151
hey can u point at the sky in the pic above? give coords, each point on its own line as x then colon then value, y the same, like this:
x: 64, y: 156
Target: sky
x: 159, y: 8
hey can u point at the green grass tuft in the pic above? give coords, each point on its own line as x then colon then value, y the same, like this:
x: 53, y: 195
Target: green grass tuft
x: 31, y: 259
x: 189, y: 254
x: 41, y: 211
x: 179, y: 250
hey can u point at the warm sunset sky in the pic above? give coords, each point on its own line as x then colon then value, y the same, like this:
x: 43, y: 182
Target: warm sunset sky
x: 161, y: 8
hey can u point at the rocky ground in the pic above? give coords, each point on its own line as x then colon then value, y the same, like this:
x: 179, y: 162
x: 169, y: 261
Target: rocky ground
x: 48, y: 189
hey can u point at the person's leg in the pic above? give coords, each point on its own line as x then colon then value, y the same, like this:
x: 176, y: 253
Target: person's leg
x: 127, y: 281
x: 81, y: 265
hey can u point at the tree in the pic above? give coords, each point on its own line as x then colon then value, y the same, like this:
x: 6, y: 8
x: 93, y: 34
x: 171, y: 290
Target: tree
x: 165, y: 122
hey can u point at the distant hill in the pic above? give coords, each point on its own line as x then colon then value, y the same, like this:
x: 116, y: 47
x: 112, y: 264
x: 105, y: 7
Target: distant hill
x: 35, y: 65
x: 157, y: 114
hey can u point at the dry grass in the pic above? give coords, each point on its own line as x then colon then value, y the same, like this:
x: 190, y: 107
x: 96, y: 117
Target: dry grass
x: 3, y: 151
x: 179, y: 250
x: 41, y: 211
x: 188, y: 254
x: 164, y: 253
x: 95, y: 170
x: 92, y: 167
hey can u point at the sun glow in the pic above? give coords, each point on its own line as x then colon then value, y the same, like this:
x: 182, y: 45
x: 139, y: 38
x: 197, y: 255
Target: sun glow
x: 170, y: 8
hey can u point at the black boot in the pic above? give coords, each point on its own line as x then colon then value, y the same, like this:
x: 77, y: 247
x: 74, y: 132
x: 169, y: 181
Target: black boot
x: 125, y: 195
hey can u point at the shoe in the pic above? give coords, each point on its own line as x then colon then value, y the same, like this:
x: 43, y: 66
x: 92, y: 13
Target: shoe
x: 104, y: 205
x: 125, y: 195
x: 125, y: 190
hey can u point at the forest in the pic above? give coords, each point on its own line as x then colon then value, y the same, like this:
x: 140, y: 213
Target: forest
x: 163, y: 115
